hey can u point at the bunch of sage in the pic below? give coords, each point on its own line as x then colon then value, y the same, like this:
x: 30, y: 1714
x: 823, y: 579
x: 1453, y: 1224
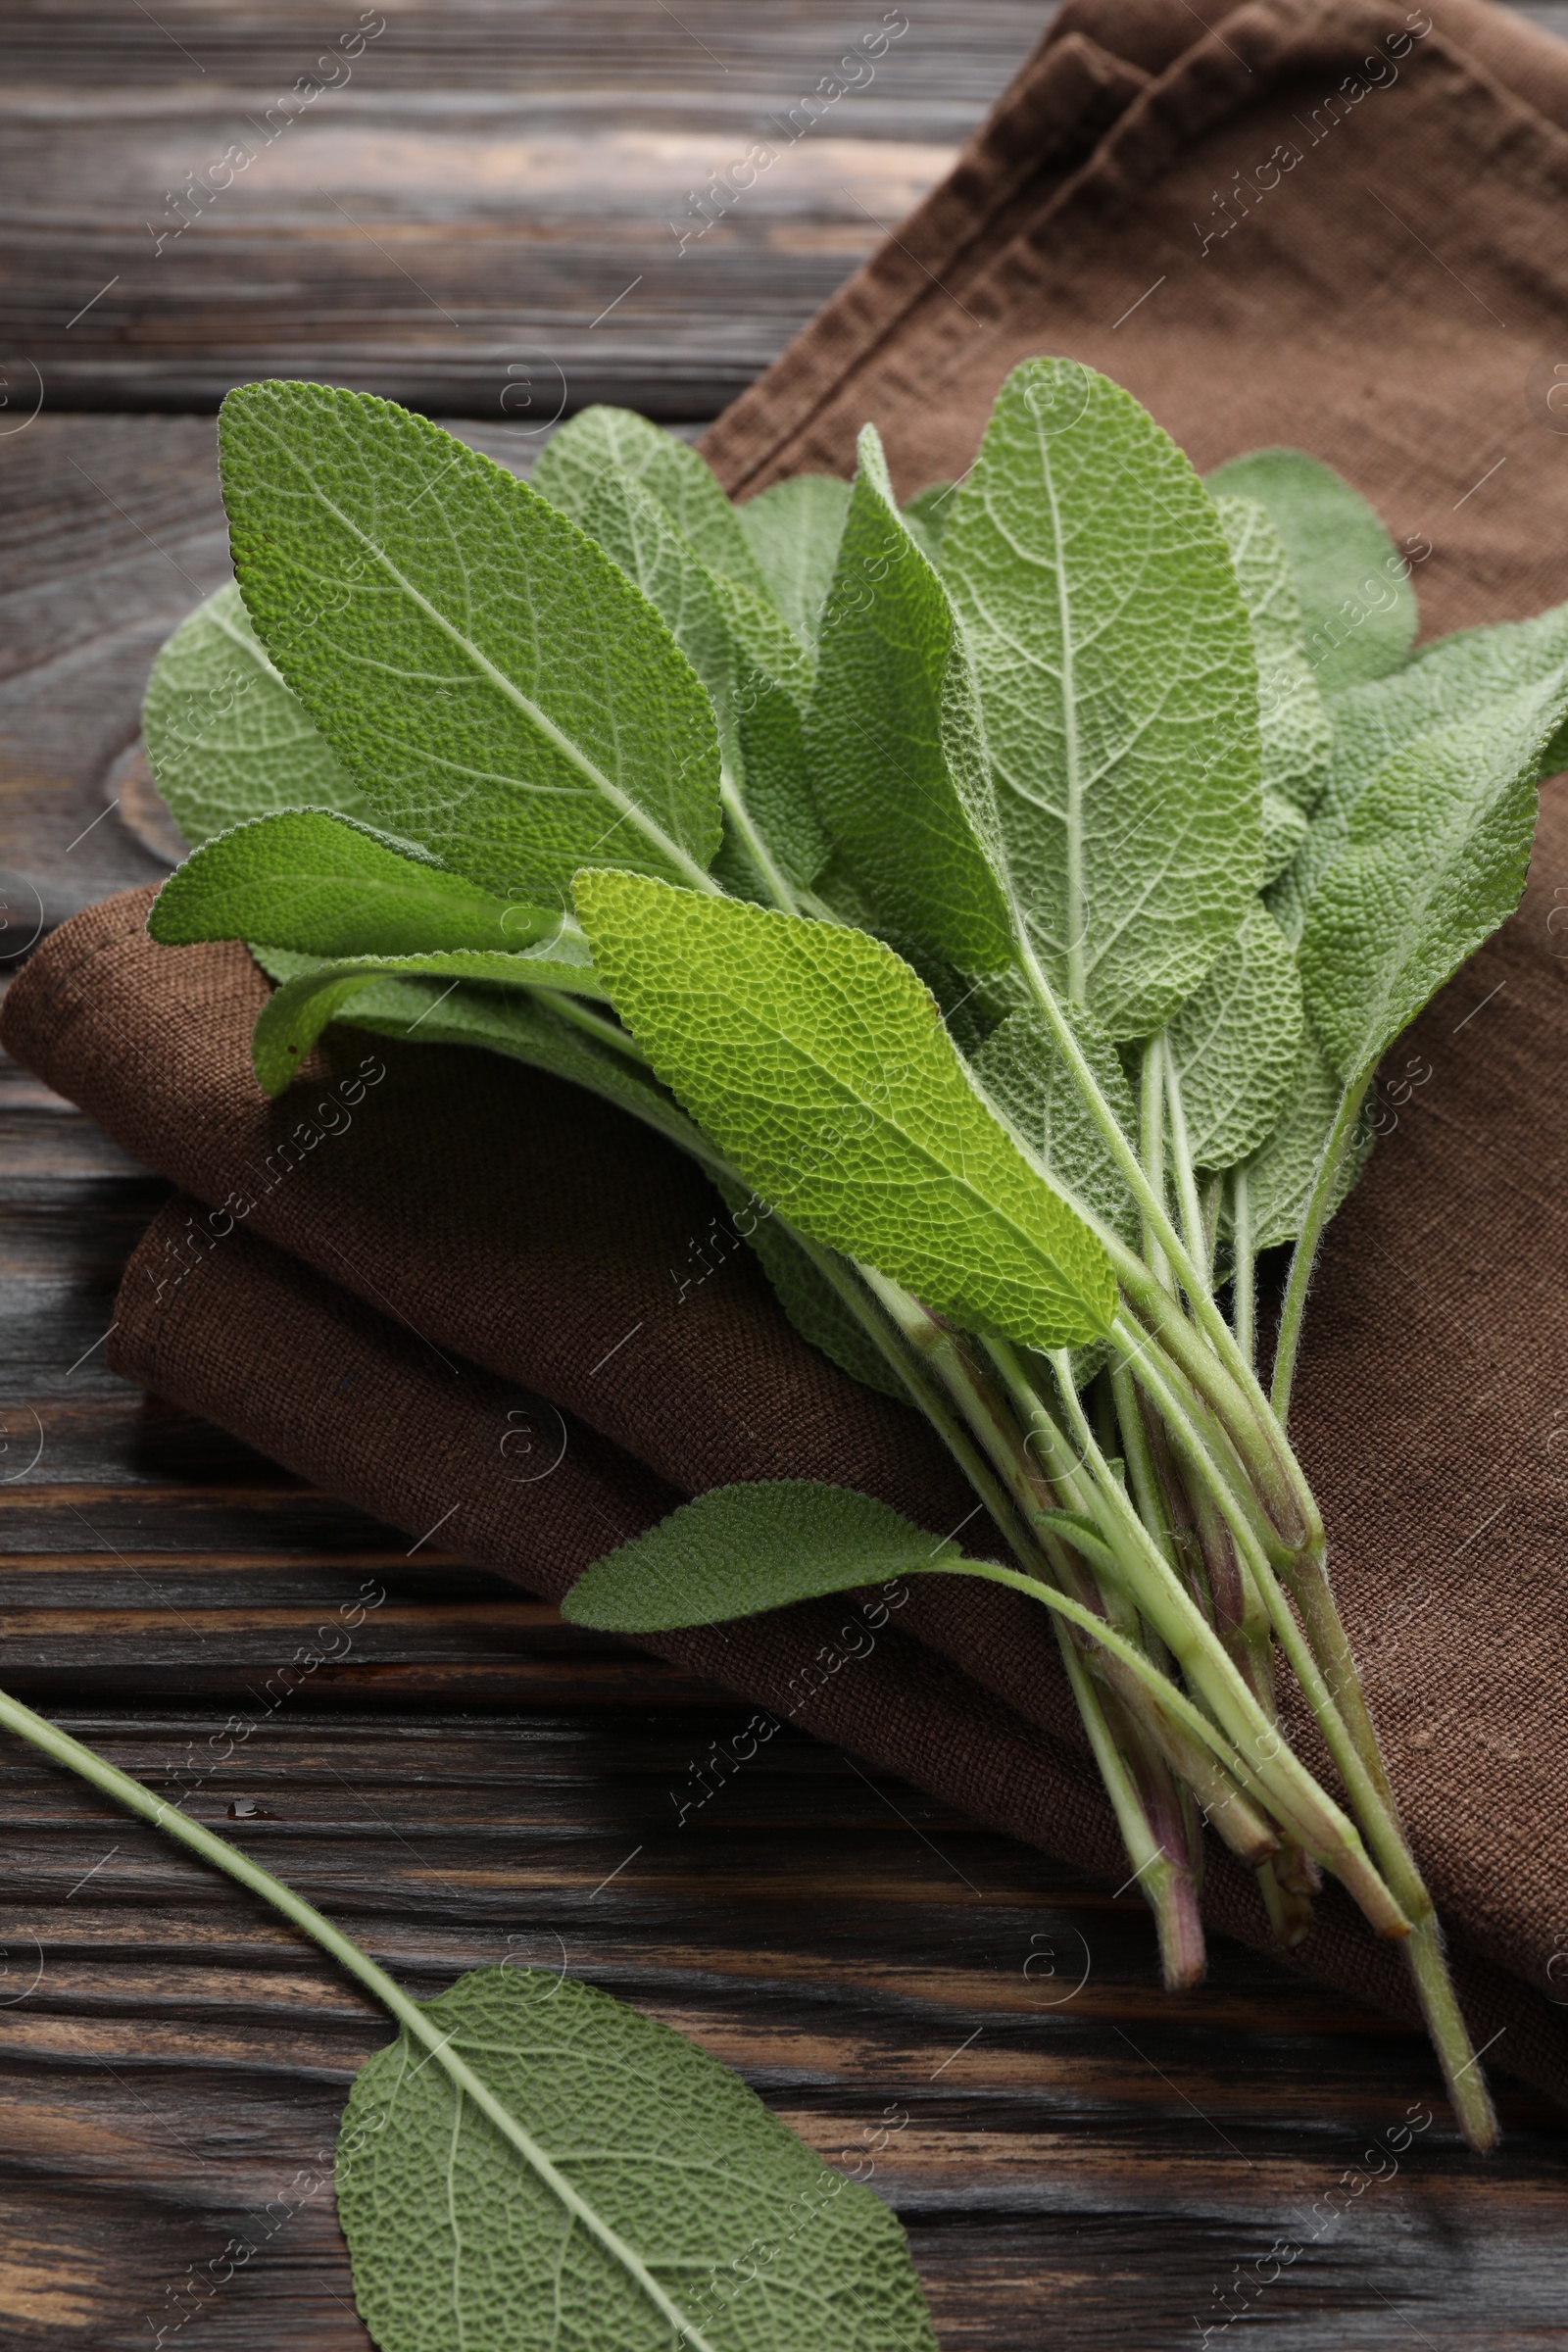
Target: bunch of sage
x: 1007, y: 898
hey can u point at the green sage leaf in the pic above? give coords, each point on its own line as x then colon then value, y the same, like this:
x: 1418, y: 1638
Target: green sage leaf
x: 498, y: 688
x: 1358, y: 605
x: 327, y: 885
x: 926, y: 514
x: 807, y: 1297
x: 1285, y: 830
x: 793, y: 530
x: 644, y: 2198
x: 1294, y: 724
x: 582, y: 450
x: 1118, y: 688
x: 1282, y: 1172
x: 898, y: 764
x: 225, y: 739
x: 1236, y: 1043
x: 1434, y: 859
x: 819, y: 1066
x: 1023, y: 1071
x: 739, y: 1550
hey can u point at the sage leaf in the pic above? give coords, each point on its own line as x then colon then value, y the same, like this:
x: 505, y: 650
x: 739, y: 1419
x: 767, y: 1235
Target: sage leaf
x: 1444, y: 682
x: 327, y: 885
x: 807, y: 1297
x: 818, y: 1064
x: 577, y: 455
x: 498, y: 688
x: 639, y: 2196
x: 1236, y: 1041
x: 926, y: 514
x: 1358, y: 605
x: 225, y: 739
x: 1293, y: 725
x: 1434, y: 859
x: 898, y: 764
x: 294, y: 1016
x: 1024, y: 1073
x: 793, y: 530
x: 1118, y: 688
x: 1285, y: 831
x: 1282, y: 1172
x: 739, y: 1550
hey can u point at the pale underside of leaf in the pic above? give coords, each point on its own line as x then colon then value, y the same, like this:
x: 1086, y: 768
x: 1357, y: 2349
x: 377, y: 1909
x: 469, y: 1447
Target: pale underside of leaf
x: 1236, y: 1044
x: 1294, y: 724
x: 1281, y: 1173
x: 1024, y: 1072
x: 1118, y: 689
x: 225, y: 738
x: 576, y: 457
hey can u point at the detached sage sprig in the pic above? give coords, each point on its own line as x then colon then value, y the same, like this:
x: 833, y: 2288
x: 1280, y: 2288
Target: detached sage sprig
x: 1012, y: 894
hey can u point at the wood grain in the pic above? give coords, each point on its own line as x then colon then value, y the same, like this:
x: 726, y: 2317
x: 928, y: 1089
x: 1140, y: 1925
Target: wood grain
x: 1085, y: 2163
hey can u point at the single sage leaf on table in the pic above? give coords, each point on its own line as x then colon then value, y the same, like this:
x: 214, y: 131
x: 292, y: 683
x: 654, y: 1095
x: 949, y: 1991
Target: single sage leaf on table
x: 575, y: 456
x: 1434, y: 859
x: 819, y: 1066
x: 327, y: 885
x: 897, y: 765
x: 1357, y: 606
x: 1294, y: 724
x: 1444, y: 682
x: 1281, y: 1173
x: 1118, y: 688
x: 793, y: 530
x: 1234, y: 1044
x: 664, y: 2206
x: 499, y: 689
x: 225, y: 738
x: 738, y: 1550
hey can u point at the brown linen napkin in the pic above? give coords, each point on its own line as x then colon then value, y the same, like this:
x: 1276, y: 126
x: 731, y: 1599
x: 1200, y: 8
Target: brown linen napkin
x: 512, y: 1222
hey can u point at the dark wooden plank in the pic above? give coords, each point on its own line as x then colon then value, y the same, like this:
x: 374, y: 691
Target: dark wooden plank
x: 555, y: 153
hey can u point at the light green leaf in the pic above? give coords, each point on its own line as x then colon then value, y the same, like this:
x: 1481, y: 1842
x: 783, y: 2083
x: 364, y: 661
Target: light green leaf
x: 819, y: 1066
x: 327, y: 885
x: 767, y: 639
x: 1358, y: 605
x: 1022, y: 1069
x: 1446, y: 681
x: 499, y: 689
x: 1236, y: 1044
x: 807, y: 1297
x: 1282, y: 1171
x: 1434, y: 858
x: 926, y: 514
x: 793, y: 530
x: 1298, y: 737
x: 643, y: 2199
x: 1285, y: 829
x: 580, y: 450
x: 1118, y: 688
x: 295, y: 1014
x: 225, y: 739
x: 739, y: 1550
x: 898, y: 764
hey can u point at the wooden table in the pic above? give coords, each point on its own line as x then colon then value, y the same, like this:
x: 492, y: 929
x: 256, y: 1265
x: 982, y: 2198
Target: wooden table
x: 1086, y: 2163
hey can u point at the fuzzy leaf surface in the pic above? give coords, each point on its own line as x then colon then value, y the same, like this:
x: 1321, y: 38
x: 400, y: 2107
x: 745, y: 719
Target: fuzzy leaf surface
x: 926, y: 514
x: 1285, y: 831
x: 500, y: 692
x: 327, y: 885
x: 1118, y: 689
x: 1294, y: 724
x: 793, y: 530
x: 1281, y: 1173
x: 898, y: 763
x: 1434, y: 859
x: 1236, y: 1044
x: 819, y: 1064
x: 574, y: 458
x: 1023, y: 1070
x: 738, y: 1550
x: 1445, y: 682
x: 457, y: 2239
x: 1358, y: 605
x: 295, y: 1014
x: 225, y: 739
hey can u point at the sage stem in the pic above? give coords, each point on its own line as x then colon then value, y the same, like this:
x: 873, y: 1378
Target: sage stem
x: 1332, y: 1158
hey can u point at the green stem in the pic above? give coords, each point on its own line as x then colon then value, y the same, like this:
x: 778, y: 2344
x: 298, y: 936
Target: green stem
x: 1152, y: 1143
x: 1336, y: 1145
x: 593, y: 1024
x: 1181, y: 1153
x: 91, y: 1767
x: 768, y: 871
x: 1243, y: 1297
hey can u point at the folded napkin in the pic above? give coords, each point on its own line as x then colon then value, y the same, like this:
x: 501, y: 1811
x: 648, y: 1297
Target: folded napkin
x: 435, y: 1282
